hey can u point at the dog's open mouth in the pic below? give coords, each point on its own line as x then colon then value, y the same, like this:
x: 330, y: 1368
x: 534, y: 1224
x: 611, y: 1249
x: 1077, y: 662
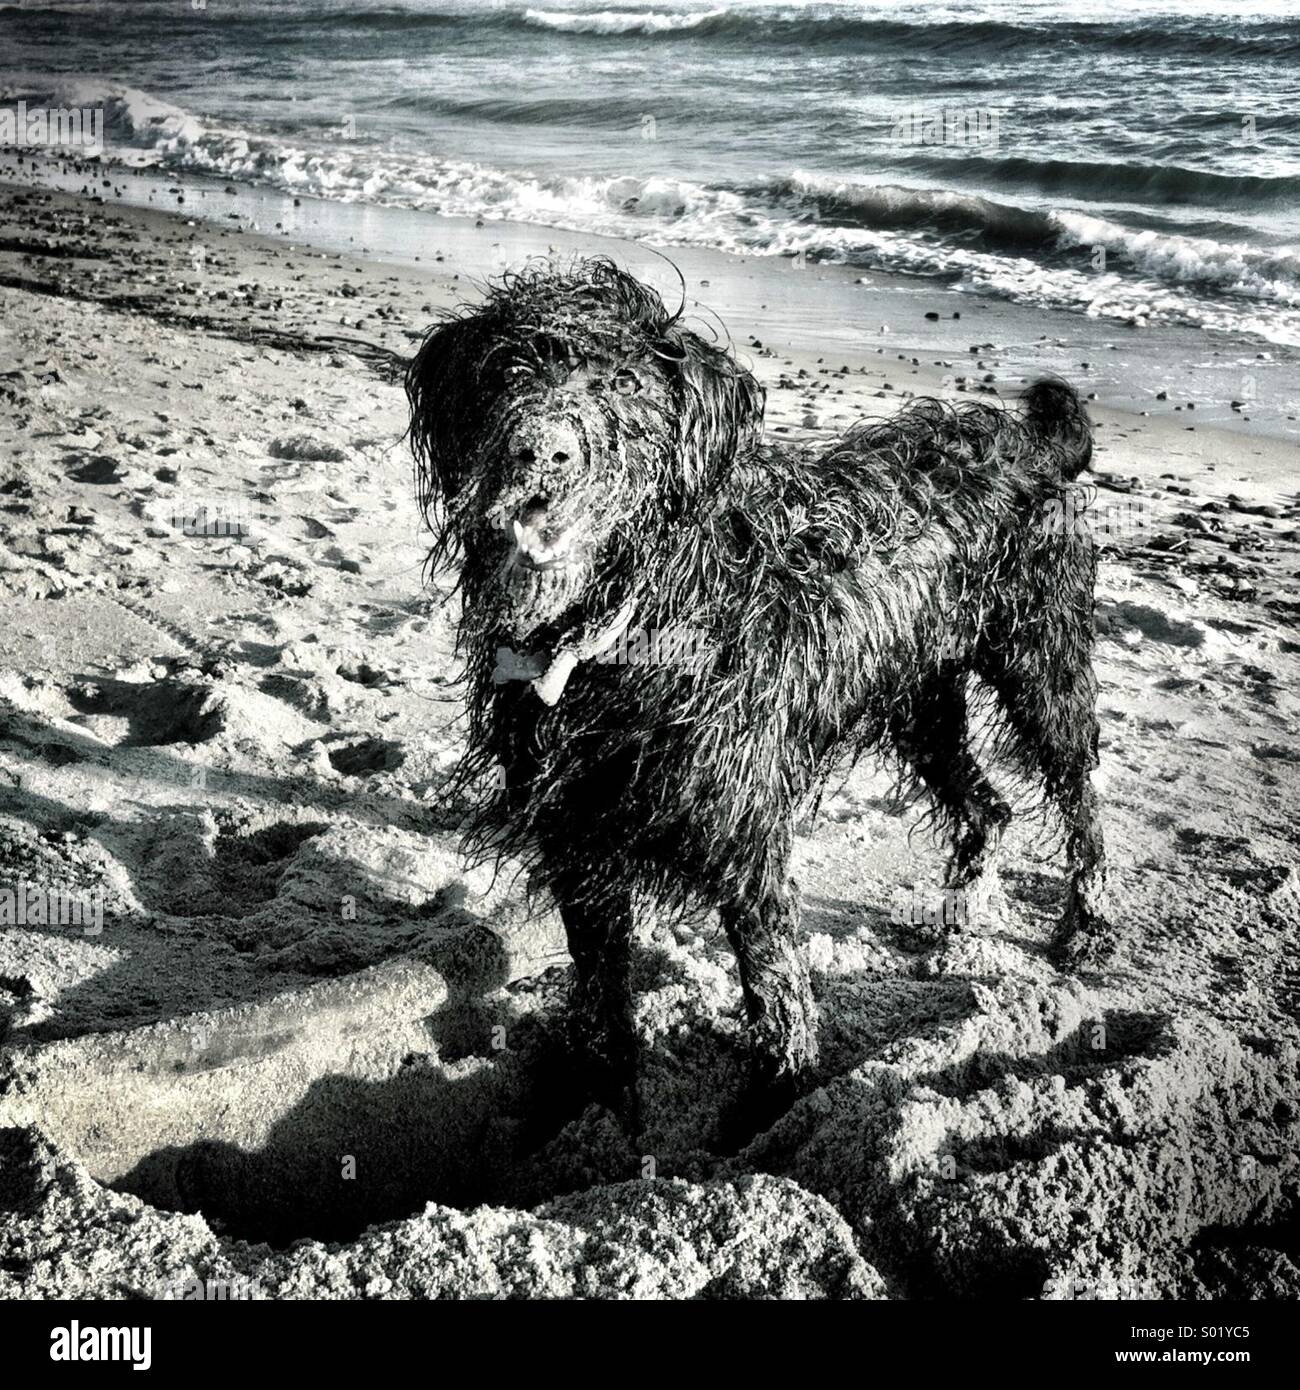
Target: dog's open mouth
x: 543, y: 571
x: 533, y: 553
x: 531, y: 562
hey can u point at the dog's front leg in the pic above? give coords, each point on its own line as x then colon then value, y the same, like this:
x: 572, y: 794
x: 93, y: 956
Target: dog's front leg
x: 599, y: 926
x: 778, y: 996
x: 1084, y: 937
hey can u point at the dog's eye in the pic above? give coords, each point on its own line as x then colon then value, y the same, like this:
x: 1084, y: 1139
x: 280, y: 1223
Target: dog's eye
x: 625, y: 382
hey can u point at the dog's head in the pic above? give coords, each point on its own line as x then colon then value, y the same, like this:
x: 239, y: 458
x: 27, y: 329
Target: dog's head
x: 561, y: 425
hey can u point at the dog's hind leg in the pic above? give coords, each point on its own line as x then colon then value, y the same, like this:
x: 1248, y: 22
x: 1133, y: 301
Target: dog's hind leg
x: 933, y: 735
x: 1051, y: 708
x: 599, y: 927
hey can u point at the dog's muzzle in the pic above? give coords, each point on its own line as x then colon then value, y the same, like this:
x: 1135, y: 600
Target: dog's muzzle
x: 542, y: 449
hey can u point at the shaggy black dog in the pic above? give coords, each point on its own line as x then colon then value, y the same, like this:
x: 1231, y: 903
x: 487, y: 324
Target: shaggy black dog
x: 674, y: 631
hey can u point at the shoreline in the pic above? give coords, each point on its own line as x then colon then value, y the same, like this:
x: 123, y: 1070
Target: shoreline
x: 935, y: 332
x: 196, y: 272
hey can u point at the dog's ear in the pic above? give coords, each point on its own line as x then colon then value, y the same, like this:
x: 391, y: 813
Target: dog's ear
x: 442, y: 384
x: 719, y: 406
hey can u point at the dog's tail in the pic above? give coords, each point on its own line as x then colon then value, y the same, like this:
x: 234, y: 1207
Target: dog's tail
x: 1053, y: 410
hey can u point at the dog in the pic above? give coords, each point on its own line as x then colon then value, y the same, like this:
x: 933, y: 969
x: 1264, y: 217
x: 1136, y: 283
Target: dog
x: 598, y: 472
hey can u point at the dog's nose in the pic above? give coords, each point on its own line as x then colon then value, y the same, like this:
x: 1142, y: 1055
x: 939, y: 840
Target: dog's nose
x: 544, y: 442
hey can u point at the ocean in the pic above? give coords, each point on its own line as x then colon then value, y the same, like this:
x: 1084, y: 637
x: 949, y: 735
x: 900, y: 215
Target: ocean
x: 1136, y: 163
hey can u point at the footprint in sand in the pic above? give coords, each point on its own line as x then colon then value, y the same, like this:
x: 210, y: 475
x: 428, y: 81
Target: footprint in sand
x: 99, y: 470
x: 303, y: 448
x: 1119, y: 620
x: 362, y: 757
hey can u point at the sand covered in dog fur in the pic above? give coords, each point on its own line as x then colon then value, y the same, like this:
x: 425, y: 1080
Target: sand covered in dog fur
x: 304, y: 1018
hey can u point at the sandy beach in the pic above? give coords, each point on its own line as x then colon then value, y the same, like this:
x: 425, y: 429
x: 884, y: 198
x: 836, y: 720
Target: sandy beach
x: 228, y: 714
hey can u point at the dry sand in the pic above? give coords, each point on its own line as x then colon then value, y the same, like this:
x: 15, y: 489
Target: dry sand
x: 227, y: 704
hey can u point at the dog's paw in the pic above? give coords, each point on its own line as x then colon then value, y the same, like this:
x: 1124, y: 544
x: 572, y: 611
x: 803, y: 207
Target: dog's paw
x: 975, y: 852
x: 972, y: 900
x: 756, y: 1109
x: 605, y: 1057
x: 622, y: 1099
x: 780, y: 1071
x: 1084, y: 941
x: 1085, y: 938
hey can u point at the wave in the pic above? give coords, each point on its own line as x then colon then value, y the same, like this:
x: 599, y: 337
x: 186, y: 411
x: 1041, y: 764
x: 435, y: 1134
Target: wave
x: 1171, y: 36
x: 793, y: 26
x: 1179, y: 36
x: 996, y: 246
x: 1087, y: 181
x: 624, y: 21
x: 889, y: 206
x: 519, y: 108
x: 1267, y: 274
x: 1271, y: 274
x: 1176, y: 38
x: 131, y: 117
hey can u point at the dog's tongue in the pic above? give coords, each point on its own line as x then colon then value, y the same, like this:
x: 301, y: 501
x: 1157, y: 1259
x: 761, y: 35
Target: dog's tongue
x: 548, y: 677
